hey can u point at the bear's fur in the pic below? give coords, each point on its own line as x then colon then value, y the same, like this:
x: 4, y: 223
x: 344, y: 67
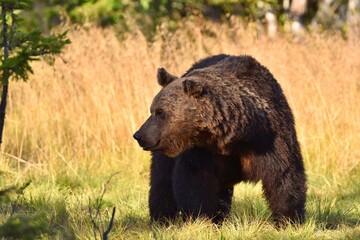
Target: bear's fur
x: 226, y: 120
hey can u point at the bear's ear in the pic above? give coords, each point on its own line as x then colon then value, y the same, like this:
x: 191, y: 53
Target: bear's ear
x: 164, y: 78
x: 195, y: 89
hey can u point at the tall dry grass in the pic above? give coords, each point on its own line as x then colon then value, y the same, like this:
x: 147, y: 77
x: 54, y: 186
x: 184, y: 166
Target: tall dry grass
x: 89, y: 103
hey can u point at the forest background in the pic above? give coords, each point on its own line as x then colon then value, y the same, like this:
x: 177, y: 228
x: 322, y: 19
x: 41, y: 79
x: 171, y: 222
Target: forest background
x: 68, y: 158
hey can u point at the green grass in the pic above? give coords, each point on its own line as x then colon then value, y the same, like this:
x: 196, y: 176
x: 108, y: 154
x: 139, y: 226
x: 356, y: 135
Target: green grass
x: 60, y: 205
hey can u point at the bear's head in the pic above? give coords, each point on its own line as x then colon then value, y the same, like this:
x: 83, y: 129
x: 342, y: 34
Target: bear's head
x: 178, y: 117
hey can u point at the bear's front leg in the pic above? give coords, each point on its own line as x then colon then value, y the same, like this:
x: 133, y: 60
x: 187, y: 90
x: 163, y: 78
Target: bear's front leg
x: 225, y: 201
x: 285, y: 190
x: 161, y: 199
x: 196, y: 188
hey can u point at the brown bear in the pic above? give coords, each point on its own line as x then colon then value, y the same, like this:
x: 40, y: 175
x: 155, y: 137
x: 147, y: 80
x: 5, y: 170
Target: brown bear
x: 226, y: 120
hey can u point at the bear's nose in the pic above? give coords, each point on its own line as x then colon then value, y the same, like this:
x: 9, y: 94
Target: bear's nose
x: 137, y: 136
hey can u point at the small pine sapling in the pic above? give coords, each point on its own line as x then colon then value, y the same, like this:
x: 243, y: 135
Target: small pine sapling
x: 19, y: 48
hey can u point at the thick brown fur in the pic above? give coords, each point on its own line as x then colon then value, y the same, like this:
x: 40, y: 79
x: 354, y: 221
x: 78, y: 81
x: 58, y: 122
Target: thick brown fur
x: 226, y: 120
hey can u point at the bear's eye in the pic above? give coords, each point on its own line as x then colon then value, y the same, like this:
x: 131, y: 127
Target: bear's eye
x: 159, y: 113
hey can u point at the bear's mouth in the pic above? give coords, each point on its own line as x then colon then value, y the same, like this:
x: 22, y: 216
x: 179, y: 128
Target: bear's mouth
x: 153, y: 147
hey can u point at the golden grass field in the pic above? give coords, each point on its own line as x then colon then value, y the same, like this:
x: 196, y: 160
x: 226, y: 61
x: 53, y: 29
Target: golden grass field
x: 74, y: 120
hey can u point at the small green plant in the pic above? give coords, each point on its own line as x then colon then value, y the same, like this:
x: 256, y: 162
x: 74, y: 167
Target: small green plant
x: 19, y: 48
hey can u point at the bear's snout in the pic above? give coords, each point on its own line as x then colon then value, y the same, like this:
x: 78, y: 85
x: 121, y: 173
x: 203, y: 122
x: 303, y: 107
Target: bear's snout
x: 145, y: 142
x: 137, y: 136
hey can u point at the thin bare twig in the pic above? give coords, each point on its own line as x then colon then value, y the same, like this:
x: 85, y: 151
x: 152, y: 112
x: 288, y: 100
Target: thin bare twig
x: 111, y: 223
x: 98, y: 203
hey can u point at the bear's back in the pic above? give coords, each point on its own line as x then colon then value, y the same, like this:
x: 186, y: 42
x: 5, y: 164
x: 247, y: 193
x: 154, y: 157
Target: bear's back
x: 243, y: 73
x: 206, y: 62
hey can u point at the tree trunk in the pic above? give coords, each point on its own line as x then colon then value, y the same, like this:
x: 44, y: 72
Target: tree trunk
x: 298, y: 8
x: 297, y: 11
x: 353, y: 20
x: 5, y: 74
x: 3, y: 109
